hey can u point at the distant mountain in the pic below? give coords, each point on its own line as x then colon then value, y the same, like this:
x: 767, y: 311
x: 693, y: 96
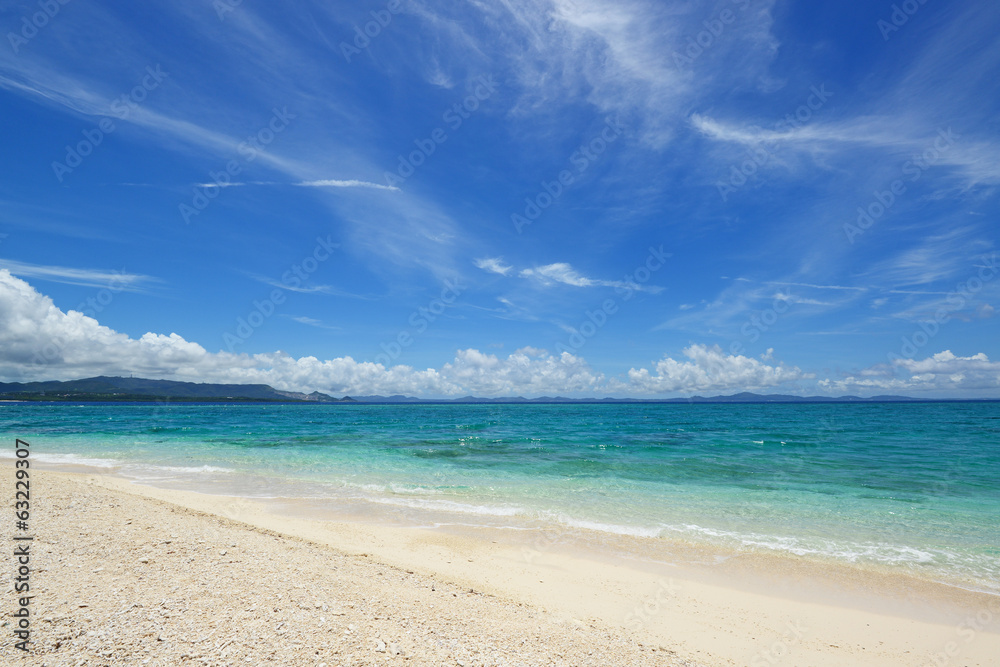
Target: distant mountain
x: 138, y: 389
x: 744, y: 397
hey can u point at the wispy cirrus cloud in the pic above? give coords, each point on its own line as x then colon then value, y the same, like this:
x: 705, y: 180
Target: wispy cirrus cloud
x: 564, y: 274
x: 299, y: 288
x: 313, y: 322
x: 325, y: 183
x: 121, y: 280
x: 930, y: 99
x: 810, y: 285
x: 351, y: 183
x: 493, y: 265
x: 743, y: 298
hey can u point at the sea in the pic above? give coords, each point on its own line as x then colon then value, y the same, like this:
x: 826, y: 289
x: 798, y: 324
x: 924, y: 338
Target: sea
x: 902, y: 487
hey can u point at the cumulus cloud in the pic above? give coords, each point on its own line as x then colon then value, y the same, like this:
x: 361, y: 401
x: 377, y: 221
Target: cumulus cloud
x: 709, y: 369
x: 940, y: 373
x: 527, y: 371
x: 39, y: 341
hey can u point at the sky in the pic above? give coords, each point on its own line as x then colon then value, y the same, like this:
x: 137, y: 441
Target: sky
x: 531, y: 198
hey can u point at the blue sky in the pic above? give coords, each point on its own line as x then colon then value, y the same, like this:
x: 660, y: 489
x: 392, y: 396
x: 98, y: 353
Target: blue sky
x: 526, y: 197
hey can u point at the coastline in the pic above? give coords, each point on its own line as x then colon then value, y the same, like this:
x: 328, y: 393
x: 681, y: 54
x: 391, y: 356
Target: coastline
x: 689, y: 603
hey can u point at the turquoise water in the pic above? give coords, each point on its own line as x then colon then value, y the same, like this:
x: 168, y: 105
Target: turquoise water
x: 905, y: 486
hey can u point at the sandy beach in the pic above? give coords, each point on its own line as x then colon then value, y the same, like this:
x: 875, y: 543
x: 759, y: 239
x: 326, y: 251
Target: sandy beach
x: 129, y: 574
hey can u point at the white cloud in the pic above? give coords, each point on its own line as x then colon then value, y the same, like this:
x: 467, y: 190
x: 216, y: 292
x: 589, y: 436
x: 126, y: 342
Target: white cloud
x: 893, y: 124
x: 313, y: 322
x: 833, y: 287
x: 527, y: 371
x: 326, y: 183
x: 493, y: 265
x: 352, y: 183
x: 939, y: 374
x: 619, y: 58
x: 709, y: 369
x: 119, y: 281
x: 744, y: 299
x: 38, y: 341
x: 561, y: 272
x: 787, y: 297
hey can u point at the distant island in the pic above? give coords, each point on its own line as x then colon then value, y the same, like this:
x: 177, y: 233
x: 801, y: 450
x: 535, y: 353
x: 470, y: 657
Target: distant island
x: 101, y: 389
x: 129, y: 389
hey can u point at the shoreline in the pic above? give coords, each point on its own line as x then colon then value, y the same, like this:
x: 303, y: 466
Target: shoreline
x: 597, y: 537
x: 712, y: 607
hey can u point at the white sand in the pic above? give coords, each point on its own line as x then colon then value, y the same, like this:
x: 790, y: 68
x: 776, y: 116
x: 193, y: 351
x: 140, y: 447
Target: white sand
x: 546, y: 602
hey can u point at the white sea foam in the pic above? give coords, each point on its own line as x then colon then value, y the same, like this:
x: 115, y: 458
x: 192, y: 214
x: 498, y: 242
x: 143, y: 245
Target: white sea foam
x: 151, y: 469
x: 448, y: 506
x: 603, y: 527
x: 847, y: 551
x: 404, y: 489
x: 392, y: 488
x: 67, y: 459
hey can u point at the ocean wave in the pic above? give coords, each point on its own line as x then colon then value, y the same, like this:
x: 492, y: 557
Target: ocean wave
x: 133, y: 468
x: 127, y: 468
x: 450, y: 506
x: 68, y: 459
x: 600, y: 526
x: 852, y: 552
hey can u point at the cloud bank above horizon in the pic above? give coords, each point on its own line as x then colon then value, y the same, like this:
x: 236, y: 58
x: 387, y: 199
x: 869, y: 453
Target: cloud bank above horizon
x: 37, y: 340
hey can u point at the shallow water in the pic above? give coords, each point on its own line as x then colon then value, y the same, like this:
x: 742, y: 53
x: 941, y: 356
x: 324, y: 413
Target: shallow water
x: 913, y: 487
